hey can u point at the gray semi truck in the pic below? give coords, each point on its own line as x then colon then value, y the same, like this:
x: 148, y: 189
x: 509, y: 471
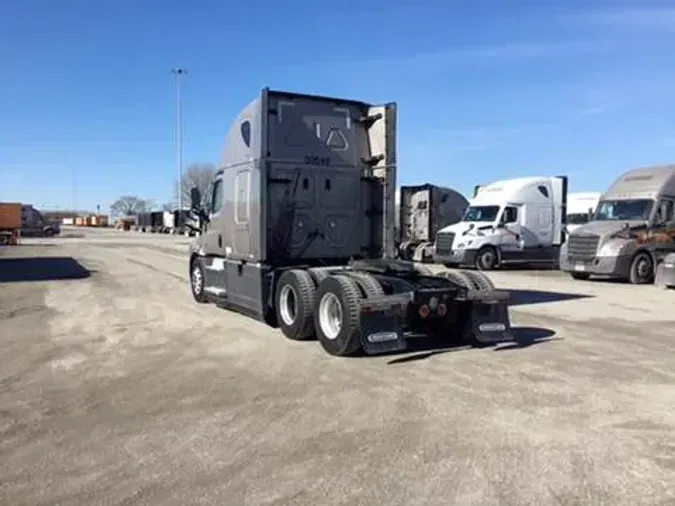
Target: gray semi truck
x: 632, y: 230
x: 299, y: 233
x: 423, y: 210
x: 34, y: 223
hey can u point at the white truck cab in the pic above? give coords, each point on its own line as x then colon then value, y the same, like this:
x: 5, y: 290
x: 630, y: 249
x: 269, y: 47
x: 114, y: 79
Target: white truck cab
x: 580, y: 208
x: 511, y: 221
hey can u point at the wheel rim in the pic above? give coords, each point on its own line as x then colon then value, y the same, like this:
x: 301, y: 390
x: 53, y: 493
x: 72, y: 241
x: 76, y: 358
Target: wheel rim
x: 197, y: 280
x: 642, y: 268
x: 487, y: 259
x: 330, y: 315
x: 288, y: 304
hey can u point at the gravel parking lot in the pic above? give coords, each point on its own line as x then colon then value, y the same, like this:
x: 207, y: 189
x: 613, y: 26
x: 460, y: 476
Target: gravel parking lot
x: 115, y: 388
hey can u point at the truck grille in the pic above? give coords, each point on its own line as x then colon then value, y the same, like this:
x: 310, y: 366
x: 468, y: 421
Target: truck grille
x: 444, y: 242
x: 582, y: 247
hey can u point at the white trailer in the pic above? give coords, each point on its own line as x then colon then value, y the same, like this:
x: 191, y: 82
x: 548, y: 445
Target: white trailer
x: 580, y: 208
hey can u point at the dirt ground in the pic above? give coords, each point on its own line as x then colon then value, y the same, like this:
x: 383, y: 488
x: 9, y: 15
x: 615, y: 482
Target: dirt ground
x: 117, y: 389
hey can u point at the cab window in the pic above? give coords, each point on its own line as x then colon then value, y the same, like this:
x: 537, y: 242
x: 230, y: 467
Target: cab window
x: 510, y: 215
x: 664, y: 212
x: 217, y: 196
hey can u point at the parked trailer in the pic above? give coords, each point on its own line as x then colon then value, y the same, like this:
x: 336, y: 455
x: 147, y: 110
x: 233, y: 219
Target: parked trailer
x: 144, y: 222
x: 300, y: 234
x: 632, y: 231
x: 423, y: 211
x: 183, y: 220
x: 156, y: 221
x: 10, y: 223
x: 176, y: 222
x: 168, y: 222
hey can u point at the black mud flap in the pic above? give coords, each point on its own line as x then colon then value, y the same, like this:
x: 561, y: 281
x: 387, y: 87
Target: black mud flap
x: 382, y: 321
x: 490, y: 317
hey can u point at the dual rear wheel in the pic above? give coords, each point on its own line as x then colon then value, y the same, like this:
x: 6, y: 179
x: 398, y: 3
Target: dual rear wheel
x: 327, y: 307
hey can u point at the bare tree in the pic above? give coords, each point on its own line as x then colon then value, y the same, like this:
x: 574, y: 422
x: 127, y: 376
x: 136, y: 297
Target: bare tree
x: 129, y: 205
x: 196, y: 175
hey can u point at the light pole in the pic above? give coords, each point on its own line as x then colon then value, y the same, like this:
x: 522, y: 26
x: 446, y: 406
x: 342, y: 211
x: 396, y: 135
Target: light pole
x: 178, y: 73
x: 74, y: 189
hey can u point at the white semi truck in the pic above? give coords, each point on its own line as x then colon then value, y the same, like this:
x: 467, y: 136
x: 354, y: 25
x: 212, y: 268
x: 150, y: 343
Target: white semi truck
x: 580, y: 208
x: 514, y: 221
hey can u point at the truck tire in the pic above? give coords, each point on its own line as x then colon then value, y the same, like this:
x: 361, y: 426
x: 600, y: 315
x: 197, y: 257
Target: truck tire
x: 580, y: 276
x: 337, y: 316
x: 406, y: 250
x: 486, y: 258
x: 318, y: 274
x: 423, y: 270
x: 197, y: 280
x: 480, y: 281
x: 294, y: 304
x: 460, y: 278
x: 641, y: 269
x: 370, y: 287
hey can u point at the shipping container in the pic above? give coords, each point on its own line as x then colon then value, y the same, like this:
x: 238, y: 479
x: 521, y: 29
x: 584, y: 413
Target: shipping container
x: 10, y: 223
x: 10, y: 216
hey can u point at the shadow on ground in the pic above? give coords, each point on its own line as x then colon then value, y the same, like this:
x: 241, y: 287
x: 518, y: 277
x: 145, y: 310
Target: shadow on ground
x: 529, y: 267
x: 522, y: 297
x: 425, y: 347
x: 16, y: 270
x: 71, y: 235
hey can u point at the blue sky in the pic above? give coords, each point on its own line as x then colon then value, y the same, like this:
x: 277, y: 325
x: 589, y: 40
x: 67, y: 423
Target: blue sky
x: 486, y: 90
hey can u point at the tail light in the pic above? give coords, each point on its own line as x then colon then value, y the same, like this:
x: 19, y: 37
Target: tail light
x: 424, y: 311
x: 442, y: 310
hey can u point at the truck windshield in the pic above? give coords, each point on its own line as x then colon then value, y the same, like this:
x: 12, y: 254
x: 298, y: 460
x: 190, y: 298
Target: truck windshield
x: 624, y: 210
x: 481, y: 213
x: 577, y: 218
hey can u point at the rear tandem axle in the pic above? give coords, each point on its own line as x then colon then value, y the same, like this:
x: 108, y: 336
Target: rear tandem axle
x: 375, y: 307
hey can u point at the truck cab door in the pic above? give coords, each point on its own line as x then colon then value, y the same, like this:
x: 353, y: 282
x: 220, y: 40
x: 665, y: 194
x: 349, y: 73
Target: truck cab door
x: 511, y: 237
x: 542, y: 226
x: 214, y: 231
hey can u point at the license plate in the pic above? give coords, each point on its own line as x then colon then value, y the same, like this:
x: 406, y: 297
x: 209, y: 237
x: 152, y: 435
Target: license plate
x: 579, y: 267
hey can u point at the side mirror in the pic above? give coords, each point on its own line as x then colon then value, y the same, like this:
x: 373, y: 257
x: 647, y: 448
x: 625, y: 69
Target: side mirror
x: 195, y: 198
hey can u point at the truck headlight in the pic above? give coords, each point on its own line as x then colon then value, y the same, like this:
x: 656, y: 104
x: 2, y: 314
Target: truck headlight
x: 464, y: 244
x: 610, y: 249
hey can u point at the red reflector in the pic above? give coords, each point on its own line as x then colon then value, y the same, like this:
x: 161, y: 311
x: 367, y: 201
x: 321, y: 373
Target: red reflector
x: 366, y: 309
x: 442, y: 309
x: 424, y: 311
